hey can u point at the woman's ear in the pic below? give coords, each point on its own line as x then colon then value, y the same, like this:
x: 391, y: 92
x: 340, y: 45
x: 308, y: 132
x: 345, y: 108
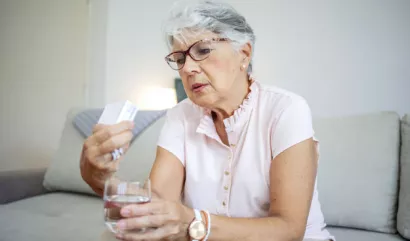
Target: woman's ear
x: 246, y: 52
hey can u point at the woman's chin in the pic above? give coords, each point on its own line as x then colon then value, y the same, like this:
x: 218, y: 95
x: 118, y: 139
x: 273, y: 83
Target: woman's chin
x: 203, y: 101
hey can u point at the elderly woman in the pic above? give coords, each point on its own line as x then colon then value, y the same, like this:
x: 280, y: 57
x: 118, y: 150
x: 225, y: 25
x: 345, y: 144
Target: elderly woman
x: 237, y: 160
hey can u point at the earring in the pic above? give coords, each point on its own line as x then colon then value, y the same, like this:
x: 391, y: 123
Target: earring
x: 243, y: 66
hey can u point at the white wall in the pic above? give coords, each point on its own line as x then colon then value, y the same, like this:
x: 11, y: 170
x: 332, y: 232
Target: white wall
x: 135, y: 49
x: 42, y: 74
x: 345, y: 57
x: 97, y: 53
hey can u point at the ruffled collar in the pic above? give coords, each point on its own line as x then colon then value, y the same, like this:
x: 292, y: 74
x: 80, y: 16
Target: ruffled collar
x: 241, y: 114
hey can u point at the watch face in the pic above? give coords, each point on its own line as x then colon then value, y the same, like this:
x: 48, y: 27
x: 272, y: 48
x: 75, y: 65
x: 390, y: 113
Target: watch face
x: 197, y: 230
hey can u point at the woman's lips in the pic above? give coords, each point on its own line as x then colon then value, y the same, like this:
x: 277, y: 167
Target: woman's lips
x: 198, y: 87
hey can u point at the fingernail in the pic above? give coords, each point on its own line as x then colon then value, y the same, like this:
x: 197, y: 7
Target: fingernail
x: 119, y: 236
x: 121, y: 224
x: 125, y: 212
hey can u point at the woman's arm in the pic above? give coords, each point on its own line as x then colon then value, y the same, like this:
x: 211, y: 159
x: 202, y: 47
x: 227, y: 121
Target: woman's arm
x: 292, y: 178
x: 167, y: 176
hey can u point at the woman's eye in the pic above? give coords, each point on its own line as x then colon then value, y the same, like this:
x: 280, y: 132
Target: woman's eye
x: 204, y: 51
x: 180, y: 61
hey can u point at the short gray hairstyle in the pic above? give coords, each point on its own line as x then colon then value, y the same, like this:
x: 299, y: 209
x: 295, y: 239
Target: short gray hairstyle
x: 208, y: 15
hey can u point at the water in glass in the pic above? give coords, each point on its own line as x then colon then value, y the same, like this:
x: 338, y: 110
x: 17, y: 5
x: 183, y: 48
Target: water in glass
x: 118, y: 194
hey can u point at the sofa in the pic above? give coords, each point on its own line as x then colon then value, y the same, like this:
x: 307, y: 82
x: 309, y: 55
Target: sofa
x: 363, y: 183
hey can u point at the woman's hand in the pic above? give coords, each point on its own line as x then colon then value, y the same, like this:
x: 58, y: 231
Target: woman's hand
x: 163, y: 220
x: 96, y: 162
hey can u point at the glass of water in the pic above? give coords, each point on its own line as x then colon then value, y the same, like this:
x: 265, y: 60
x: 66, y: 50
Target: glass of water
x: 119, y: 193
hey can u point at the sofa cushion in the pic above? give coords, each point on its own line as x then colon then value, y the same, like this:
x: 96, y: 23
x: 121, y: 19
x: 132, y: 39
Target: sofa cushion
x: 403, y: 216
x: 63, y: 174
x: 55, y: 216
x: 358, y: 170
x: 347, y: 234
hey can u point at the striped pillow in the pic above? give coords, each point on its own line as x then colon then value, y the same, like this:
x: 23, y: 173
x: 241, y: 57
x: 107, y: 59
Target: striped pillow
x: 85, y: 121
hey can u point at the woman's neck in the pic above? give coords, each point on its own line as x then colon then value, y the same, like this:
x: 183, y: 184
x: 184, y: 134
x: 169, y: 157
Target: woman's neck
x: 227, y: 107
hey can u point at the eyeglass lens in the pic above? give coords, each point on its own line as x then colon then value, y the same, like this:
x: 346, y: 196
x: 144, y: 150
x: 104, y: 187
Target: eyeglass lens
x: 199, y: 51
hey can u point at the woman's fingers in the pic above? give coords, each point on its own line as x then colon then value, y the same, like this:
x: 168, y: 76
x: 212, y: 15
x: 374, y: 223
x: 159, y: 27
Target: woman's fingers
x: 107, y: 158
x: 150, y: 221
x: 148, y: 215
x: 98, y: 155
x: 151, y: 208
x: 102, y: 133
x: 115, y: 142
x: 98, y: 147
x: 111, y: 164
x: 161, y: 220
x: 105, y: 162
x: 98, y: 127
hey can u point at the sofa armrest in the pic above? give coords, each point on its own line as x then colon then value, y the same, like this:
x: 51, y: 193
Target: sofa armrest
x: 20, y: 184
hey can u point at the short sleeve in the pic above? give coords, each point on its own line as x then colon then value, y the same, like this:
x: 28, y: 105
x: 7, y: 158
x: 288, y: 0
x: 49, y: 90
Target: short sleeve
x: 172, y: 136
x: 293, y: 126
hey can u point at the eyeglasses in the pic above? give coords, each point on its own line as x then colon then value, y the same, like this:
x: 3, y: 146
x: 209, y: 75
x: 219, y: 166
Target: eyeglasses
x: 198, y: 51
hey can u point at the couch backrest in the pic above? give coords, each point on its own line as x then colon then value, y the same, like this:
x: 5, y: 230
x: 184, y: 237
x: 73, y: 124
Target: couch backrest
x: 403, y: 216
x: 359, y: 170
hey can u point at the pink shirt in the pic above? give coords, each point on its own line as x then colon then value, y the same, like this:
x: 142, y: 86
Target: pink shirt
x: 233, y: 180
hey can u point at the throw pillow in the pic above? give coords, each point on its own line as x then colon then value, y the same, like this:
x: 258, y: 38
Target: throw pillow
x: 85, y: 120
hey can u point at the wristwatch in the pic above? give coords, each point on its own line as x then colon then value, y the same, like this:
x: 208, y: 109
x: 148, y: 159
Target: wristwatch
x: 197, y: 229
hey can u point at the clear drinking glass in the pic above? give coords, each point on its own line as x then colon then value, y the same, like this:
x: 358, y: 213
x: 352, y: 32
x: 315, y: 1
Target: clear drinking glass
x: 119, y: 193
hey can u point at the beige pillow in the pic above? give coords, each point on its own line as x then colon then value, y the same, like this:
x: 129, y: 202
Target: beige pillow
x: 63, y: 174
x: 403, y: 216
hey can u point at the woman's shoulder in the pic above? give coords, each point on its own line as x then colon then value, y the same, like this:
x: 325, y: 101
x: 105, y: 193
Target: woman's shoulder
x: 278, y: 99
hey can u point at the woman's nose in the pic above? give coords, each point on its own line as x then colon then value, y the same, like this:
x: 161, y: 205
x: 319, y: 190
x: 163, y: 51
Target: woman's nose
x: 190, y: 65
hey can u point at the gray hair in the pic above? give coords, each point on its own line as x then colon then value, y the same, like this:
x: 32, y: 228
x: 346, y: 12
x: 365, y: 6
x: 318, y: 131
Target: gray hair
x: 208, y: 15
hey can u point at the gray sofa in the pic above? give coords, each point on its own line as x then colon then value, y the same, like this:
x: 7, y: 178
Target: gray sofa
x: 363, y: 182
